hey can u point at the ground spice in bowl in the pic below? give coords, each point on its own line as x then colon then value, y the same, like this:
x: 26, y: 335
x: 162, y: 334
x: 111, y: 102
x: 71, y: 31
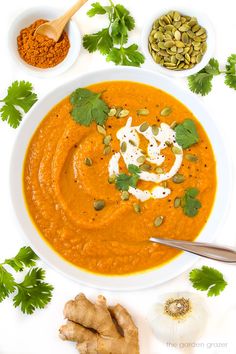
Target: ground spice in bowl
x: 41, y: 51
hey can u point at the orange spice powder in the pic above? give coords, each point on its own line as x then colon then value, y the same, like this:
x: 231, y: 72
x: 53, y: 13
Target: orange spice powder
x: 41, y: 51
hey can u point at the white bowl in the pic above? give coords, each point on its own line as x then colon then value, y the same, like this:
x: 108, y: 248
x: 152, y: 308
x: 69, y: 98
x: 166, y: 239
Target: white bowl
x: 138, y: 280
x: 25, y: 19
x: 202, y: 20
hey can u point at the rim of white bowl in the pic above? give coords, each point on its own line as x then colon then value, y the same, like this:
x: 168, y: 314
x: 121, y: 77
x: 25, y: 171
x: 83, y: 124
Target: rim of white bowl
x: 135, y: 281
x: 203, y: 21
x: 48, y: 12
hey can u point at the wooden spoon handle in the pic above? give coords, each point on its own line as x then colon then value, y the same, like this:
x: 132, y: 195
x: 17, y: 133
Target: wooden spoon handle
x: 62, y: 20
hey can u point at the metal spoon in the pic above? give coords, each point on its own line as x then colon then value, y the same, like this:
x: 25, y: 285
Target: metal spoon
x: 207, y: 250
x: 53, y: 29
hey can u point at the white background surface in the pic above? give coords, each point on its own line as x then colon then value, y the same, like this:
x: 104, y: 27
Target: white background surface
x: 38, y: 333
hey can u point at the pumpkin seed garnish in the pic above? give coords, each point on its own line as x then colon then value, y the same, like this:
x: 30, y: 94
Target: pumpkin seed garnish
x: 173, y: 125
x: 123, y: 146
x: 107, y: 150
x: 176, y: 150
x: 112, y: 179
x: 177, y: 202
x: 123, y: 113
x: 141, y: 159
x: 173, y: 34
x: 107, y: 140
x: 178, y: 178
x: 132, y: 142
x: 125, y: 195
x: 166, y: 111
x: 159, y: 170
x: 143, y: 127
x: 143, y: 112
x: 191, y: 157
x: 158, y: 221
x: 112, y: 112
x: 118, y: 110
x: 99, y: 204
x: 137, y: 208
x: 155, y: 129
x: 145, y: 167
x: 101, y: 129
x: 88, y: 161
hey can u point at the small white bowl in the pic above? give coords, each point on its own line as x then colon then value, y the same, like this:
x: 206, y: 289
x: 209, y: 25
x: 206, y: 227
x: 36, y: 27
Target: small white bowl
x: 24, y: 20
x: 202, y: 20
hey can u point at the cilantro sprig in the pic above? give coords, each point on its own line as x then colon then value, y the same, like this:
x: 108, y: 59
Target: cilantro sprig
x: 124, y: 181
x: 88, y: 107
x: 111, y: 40
x: 32, y: 292
x: 201, y: 82
x: 20, y: 98
x: 208, y: 279
x: 189, y: 203
x: 186, y: 133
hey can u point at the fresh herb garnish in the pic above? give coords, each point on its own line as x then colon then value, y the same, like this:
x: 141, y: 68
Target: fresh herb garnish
x: 32, y: 292
x: 20, y: 98
x: 124, y: 181
x: 189, y: 203
x: 88, y: 107
x: 110, y: 40
x: 208, y: 279
x: 186, y: 133
x: 202, y: 81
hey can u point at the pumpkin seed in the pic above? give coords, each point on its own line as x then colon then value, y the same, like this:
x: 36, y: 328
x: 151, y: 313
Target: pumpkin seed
x: 179, y: 44
x: 143, y: 127
x: 179, y: 57
x: 184, y: 28
x: 132, y: 142
x: 168, y: 143
x: 141, y: 159
x: 137, y: 208
x: 125, y: 195
x: 191, y: 157
x: 185, y: 38
x: 200, y: 32
x: 173, y: 125
x: 112, y: 112
x: 166, y: 111
x: 101, y: 129
x: 176, y: 16
x: 195, y: 28
x: 123, y: 146
x: 159, y: 170
x: 176, y: 150
x: 145, y: 167
x: 177, y: 202
x: 123, y: 113
x: 88, y: 161
x: 169, y: 44
x: 173, y: 49
x: 107, y: 140
x: 112, y: 178
x: 164, y: 184
x: 177, y: 35
x: 107, y: 150
x: 158, y: 221
x: 178, y: 178
x: 118, y: 110
x: 143, y: 112
x: 155, y: 129
x: 99, y: 204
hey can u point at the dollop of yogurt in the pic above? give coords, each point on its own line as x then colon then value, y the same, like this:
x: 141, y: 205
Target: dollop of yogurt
x: 129, y: 135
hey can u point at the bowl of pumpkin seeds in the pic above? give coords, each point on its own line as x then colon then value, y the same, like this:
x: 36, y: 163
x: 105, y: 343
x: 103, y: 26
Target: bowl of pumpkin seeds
x: 179, y: 42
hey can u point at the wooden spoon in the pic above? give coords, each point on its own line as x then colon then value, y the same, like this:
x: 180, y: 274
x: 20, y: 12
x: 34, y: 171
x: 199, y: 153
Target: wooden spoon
x: 53, y: 29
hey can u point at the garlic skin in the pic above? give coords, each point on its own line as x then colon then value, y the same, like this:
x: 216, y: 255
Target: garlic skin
x: 179, y: 317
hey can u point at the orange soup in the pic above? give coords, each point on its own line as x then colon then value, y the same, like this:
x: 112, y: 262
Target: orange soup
x: 96, y: 194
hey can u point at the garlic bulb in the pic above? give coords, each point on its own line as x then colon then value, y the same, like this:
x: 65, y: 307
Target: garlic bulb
x: 178, y: 317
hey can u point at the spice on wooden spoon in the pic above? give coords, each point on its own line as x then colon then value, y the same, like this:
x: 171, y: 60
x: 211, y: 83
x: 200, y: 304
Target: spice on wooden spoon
x: 53, y: 29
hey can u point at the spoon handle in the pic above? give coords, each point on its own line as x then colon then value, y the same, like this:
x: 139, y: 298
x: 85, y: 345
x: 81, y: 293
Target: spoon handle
x: 69, y: 13
x: 207, y: 250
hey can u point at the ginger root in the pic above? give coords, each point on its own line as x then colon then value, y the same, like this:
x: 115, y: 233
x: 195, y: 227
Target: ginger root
x: 98, y: 329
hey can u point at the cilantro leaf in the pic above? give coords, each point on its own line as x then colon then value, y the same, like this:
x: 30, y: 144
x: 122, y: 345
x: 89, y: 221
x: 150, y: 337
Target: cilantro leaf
x: 124, y: 181
x: 122, y: 12
x: 128, y: 56
x: 208, y: 278
x: 88, y: 107
x: 24, y: 258
x: 32, y: 292
x: 189, y: 203
x: 101, y: 41
x: 202, y: 81
x: 7, y: 283
x: 96, y: 9
x: 186, y: 133
x: 230, y: 77
x: 19, y: 95
x: 122, y: 23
